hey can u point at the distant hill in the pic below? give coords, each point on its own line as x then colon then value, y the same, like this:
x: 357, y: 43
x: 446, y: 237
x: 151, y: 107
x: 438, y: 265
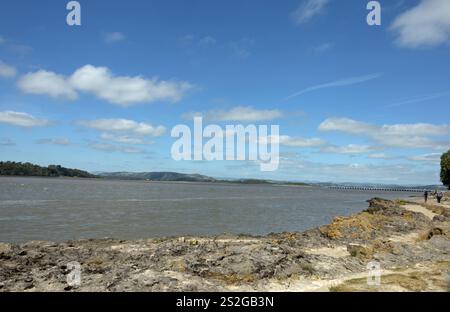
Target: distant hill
x: 182, y: 177
x: 157, y: 176
x: 262, y: 181
x: 9, y: 168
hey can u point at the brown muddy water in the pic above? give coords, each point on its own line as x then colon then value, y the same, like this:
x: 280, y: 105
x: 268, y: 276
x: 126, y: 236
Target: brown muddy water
x: 65, y: 209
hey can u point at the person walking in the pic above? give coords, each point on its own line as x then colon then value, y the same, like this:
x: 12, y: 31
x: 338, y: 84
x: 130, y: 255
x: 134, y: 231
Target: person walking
x: 439, y: 197
x: 425, y: 196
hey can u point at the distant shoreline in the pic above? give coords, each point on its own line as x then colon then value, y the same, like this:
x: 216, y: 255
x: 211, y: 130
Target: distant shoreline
x: 407, y: 189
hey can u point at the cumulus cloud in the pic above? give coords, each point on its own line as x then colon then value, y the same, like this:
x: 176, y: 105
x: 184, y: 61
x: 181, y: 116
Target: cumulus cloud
x: 48, y: 83
x: 22, y: 119
x: 101, y: 82
x: 125, y: 91
x: 54, y: 141
x: 427, y: 24
x: 123, y: 126
x: 122, y: 131
x: 239, y: 113
x: 7, y: 71
x: 419, y: 135
x: 307, y: 10
x: 113, y: 37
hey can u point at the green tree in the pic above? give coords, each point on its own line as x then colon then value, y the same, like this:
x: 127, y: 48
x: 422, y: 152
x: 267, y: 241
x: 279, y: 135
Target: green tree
x: 9, y: 168
x: 445, y: 169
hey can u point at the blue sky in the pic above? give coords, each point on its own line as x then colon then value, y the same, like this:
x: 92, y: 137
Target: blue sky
x: 354, y: 102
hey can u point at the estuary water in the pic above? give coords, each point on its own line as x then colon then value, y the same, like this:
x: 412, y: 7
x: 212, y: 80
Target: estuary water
x: 62, y: 209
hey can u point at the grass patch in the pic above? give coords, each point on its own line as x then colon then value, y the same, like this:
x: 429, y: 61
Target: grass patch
x: 361, y: 226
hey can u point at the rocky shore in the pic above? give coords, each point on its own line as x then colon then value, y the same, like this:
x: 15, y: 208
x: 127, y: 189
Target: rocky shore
x: 410, y: 241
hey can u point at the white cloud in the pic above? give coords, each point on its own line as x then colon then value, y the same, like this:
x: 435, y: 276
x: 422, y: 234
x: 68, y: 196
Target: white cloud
x: 21, y: 119
x: 348, y: 149
x: 239, y: 113
x: 291, y: 141
x: 48, y: 83
x: 427, y: 24
x: 124, y: 139
x: 55, y: 141
x: 379, y: 156
x: 99, y: 81
x: 419, y: 129
x: 419, y: 135
x: 106, y: 147
x: 307, y: 10
x: 7, y: 71
x: 301, y: 142
x: 357, y: 127
x: 434, y: 158
x: 404, y: 174
x: 346, y: 125
x: 113, y: 37
x: 123, y: 90
x: 338, y: 83
x: 123, y: 126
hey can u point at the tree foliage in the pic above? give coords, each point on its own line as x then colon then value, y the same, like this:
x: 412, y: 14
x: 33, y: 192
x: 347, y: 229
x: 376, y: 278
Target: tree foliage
x: 10, y: 168
x: 445, y: 169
